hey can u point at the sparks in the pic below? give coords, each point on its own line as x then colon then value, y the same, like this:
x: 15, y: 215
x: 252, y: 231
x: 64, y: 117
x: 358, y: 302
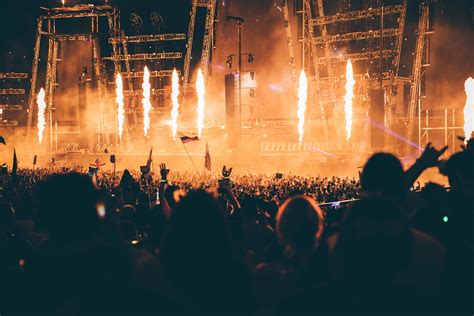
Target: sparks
x: 146, y: 100
x: 201, y: 92
x: 120, y: 105
x: 41, y: 109
x: 174, y: 99
x: 350, y: 82
x: 469, y: 109
x: 302, y: 97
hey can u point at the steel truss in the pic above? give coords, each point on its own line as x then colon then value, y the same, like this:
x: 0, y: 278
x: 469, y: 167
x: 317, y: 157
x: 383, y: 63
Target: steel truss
x: 208, y: 40
x: 328, y: 33
x: 46, y: 28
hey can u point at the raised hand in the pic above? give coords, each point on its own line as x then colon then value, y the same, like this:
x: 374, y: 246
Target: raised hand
x: 163, y: 171
x: 430, y: 156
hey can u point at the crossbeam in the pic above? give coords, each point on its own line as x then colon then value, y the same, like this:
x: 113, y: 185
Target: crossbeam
x: 153, y: 56
x: 135, y: 93
x: 357, y: 56
x: 355, y: 36
x: 356, y: 15
x: 149, y: 38
x: 11, y: 107
x: 12, y: 91
x: 13, y: 75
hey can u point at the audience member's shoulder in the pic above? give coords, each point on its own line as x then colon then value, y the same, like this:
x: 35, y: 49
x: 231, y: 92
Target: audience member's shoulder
x: 427, y: 245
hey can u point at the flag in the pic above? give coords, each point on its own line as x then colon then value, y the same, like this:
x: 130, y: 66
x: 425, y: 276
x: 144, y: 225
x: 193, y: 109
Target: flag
x: 207, y: 159
x: 34, y: 160
x: 2, y: 140
x: 15, y: 165
x: 187, y: 139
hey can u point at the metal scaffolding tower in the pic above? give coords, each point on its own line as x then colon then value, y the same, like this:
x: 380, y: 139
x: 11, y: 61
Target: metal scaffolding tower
x: 208, y: 40
x: 369, y: 36
x: 46, y: 28
x: 417, y: 73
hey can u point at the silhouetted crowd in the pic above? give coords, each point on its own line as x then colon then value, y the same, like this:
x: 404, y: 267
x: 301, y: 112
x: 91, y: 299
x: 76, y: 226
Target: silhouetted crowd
x: 73, y: 243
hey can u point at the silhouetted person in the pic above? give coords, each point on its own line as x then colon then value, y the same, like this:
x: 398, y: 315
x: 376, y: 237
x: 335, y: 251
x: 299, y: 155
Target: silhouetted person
x: 198, y: 261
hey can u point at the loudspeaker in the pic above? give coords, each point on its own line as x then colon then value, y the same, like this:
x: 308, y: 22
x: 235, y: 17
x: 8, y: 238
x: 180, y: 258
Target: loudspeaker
x: 112, y: 159
x: 377, y: 117
x: 232, y: 111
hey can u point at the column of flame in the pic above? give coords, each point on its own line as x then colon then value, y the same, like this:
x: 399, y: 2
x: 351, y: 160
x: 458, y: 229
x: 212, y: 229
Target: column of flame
x: 350, y: 82
x: 41, y: 109
x: 469, y: 108
x: 302, y: 97
x: 175, y: 101
x: 201, y: 93
x: 120, y: 105
x: 146, y: 100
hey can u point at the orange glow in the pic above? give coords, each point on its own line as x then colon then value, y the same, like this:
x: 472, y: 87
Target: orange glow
x: 348, y: 109
x: 174, y: 99
x: 201, y: 93
x: 469, y: 108
x: 146, y: 86
x: 41, y: 119
x: 120, y: 105
x: 302, y: 97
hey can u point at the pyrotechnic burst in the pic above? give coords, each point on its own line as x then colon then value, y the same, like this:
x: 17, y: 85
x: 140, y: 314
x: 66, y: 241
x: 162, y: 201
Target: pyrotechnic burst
x: 350, y: 82
x: 469, y: 108
x: 175, y: 101
x: 201, y: 93
x: 120, y: 105
x: 41, y: 109
x: 302, y: 97
x: 146, y: 100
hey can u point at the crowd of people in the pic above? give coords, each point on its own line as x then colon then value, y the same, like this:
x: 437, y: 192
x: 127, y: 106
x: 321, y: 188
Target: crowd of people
x: 182, y: 243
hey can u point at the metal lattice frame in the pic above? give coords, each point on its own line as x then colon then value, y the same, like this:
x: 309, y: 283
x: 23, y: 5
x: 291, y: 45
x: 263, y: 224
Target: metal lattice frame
x: 416, y: 74
x: 210, y: 6
x: 49, y: 20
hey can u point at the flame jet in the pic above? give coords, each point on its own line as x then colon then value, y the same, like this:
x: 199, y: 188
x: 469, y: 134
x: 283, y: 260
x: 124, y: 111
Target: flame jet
x: 120, y: 105
x: 201, y: 93
x: 302, y: 97
x: 348, y: 109
x: 41, y: 119
x: 146, y: 101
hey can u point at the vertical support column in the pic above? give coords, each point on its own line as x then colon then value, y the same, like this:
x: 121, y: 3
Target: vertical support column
x: 34, y: 75
x: 189, y: 45
x: 49, y: 80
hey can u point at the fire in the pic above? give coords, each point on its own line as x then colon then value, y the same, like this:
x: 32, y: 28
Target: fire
x: 146, y: 100
x: 350, y: 82
x: 469, y: 108
x: 120, y: 105
x: 201, y: 92
x: 41, y: 109
x: 302, y: 97
x: 63, y: 2
x: 174, y: 99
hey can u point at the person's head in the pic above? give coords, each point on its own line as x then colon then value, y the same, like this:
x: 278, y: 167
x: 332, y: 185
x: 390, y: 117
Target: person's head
x: 374, y: 240
x: 197, y: 230
x: 67, y: 206
x: 383, y: 175
x: 299, y: 224
x: 460, y: 171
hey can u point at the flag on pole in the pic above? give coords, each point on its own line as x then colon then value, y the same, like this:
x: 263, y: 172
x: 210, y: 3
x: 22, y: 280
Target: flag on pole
x: 188, y: 139
x: 207, y: 159
x: 15, y: 165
